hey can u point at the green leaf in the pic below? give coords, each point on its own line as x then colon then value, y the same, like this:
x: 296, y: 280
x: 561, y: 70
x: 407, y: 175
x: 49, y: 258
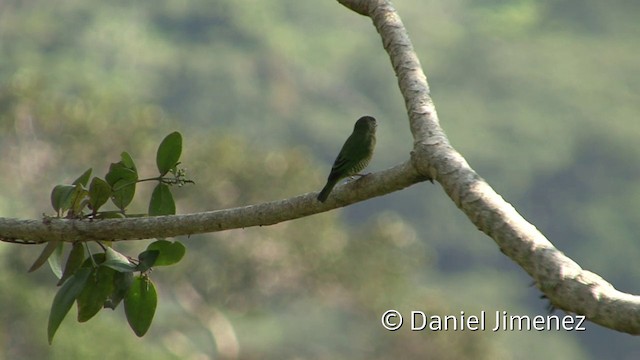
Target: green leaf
x: 61, y: 197
x: 83, y: 179
x: 120, y: 266
x: 123, y: 197
x: 74, y: 261
x: 162, y: 201
x: 117, y: 261
x: 44, y: 255
x: 95, y: 292
x: 146, y: 259
x: 111, y: 254
x: 55, y: 259
x: 170, y: 252
x: 127, y: 161
x: 78, y: 201
x: 64, y: 299
x: 169, y: 152
x: 99, y: 193
x: 140, y: 304
x: 123, y: 183
x: 118, y: 172
x: 93, y: 261
x: 121, y: 283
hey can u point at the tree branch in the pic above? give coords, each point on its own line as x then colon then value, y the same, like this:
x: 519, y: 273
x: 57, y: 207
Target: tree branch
x: 69, y: 230
x: 563, y: 282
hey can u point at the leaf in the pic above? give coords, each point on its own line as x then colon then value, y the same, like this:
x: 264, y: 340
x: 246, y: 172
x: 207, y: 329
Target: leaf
x: 61, y: 197
x: 74, y: 261
x: 78, y: 201
x: 170, y: 252
x: 121, y: 284
x: 127, y: 161
x: 55, y: 259
x: 120, y: 266
x: 65, y: 297
x: 44, y: 255
x: 169, y: 152
x: 117, y: 261
x: 99, y: 193
x: 118, y: 172
x: 95, y: 292
x: 161, y: 202
x: 140, y: 304
x: 147, y: 259
x: 111, y: 254
x: 123, y: 183
x: 93, y: 261
x: 123, y: 197
x: 83, y: 179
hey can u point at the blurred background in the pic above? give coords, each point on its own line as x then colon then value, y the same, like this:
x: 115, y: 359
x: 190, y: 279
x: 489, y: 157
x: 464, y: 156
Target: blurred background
x: 541, y: 97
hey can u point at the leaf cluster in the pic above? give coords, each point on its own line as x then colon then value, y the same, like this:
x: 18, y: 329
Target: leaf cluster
x: 104, y: 280
x: 83, y: 199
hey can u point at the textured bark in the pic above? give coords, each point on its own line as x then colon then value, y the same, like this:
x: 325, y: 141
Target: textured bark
x: 563, y: 282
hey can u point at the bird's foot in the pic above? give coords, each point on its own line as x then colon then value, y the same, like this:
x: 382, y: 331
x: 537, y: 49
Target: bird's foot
x: 354, y: 177
x: 359, y: 175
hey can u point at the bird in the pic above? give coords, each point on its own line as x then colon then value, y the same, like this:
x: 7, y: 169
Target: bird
x: 354, y: 155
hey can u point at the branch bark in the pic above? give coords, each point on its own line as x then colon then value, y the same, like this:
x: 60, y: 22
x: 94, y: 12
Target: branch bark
x: 269, y: 213
x: 564, y: 282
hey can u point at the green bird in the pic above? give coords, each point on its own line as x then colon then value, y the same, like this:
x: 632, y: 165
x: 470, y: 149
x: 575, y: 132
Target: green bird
x: 354, y: 155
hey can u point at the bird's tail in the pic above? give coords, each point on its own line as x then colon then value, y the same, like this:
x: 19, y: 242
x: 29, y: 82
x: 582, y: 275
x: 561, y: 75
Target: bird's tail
x: 326, y: 190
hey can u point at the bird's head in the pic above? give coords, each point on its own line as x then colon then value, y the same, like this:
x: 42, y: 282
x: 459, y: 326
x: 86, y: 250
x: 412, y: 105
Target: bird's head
x: 365, y: 123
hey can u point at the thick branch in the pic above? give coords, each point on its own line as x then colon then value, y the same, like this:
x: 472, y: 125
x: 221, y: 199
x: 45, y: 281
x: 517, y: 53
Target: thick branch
x: 564, y: 282
x: 39, y: 231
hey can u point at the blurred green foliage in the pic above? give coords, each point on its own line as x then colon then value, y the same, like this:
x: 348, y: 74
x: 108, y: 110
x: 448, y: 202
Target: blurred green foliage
x: 539, y: 96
